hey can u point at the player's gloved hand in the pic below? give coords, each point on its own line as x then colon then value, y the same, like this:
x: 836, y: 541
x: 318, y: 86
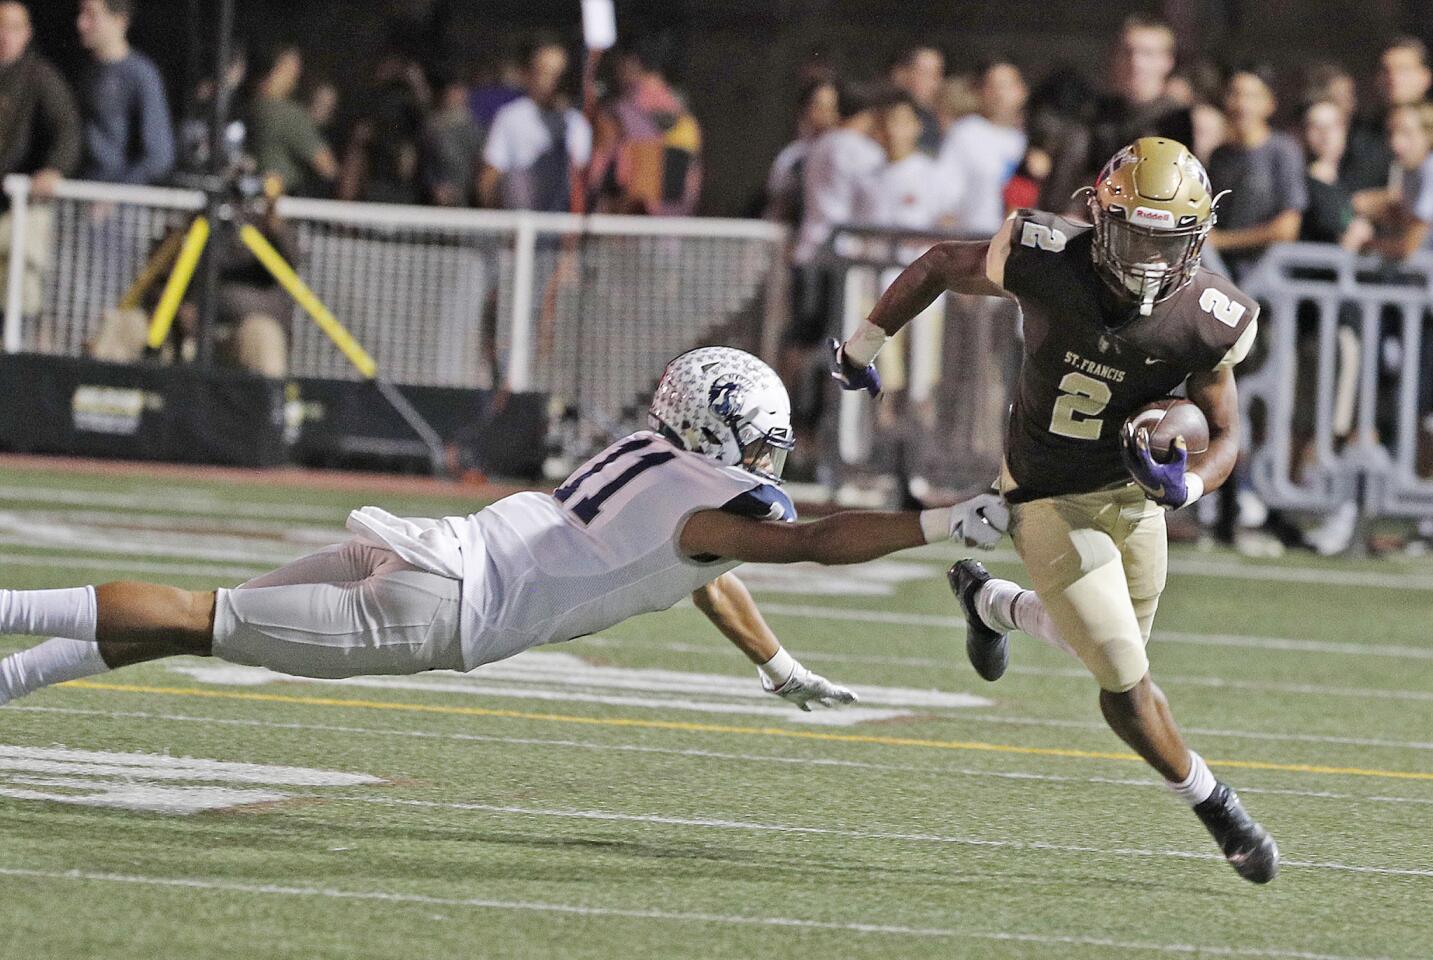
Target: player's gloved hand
x: 1165, y: 483
x: 980, y: 521
x: 849, y: 375
x: 804, y: 688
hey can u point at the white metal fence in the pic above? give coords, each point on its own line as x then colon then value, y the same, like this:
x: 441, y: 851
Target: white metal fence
x: 1342, y: 402
x: 1337, y: 400
x: 585, y: 308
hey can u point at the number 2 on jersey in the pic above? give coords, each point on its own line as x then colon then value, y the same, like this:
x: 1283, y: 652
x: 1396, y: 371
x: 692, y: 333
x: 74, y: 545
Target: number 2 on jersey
x: 1081, y: 397
x: 589, y: 506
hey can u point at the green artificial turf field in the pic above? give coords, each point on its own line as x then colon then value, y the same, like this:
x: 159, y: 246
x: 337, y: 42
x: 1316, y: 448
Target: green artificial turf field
x: 636, y: 795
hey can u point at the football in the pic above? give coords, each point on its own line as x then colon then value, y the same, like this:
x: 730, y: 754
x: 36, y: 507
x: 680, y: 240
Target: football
x: 1169, y: 418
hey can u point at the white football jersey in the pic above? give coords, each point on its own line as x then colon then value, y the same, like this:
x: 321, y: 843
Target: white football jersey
x: 542, y: 568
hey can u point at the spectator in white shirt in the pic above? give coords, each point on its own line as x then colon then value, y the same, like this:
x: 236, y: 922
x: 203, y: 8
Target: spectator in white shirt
x: 537, y: 141
x: 908, y: 191
x: 919, y: 71
x: 783, y: 184
x: 836, y: 166
x: 837, y: 163
x: 983, y: 150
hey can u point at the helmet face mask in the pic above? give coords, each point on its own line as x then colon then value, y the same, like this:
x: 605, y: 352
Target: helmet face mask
x: 1147, y: 263
x: 765, y: 455
x: 728, y: 406
x: 1152, y: 210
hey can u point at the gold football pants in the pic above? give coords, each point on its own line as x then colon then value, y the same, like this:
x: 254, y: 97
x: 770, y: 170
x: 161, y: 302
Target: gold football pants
x: 1098, y: 561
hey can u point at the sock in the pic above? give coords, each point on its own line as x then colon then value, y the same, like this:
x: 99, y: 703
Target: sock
x: 779, y: 668
x: 995, y: 601
x: 1195, y: 788
x: 1030, y: 615
x: 54, y: 661
x: 43, y: 613
x: 1006, y: 606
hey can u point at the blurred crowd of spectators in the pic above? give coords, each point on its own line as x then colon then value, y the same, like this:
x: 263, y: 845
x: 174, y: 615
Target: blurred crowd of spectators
x: 924, y: 150
x: 918, y: 149
x: 1342, y: 160
x: 1294, y: 158
x: 510, y: 138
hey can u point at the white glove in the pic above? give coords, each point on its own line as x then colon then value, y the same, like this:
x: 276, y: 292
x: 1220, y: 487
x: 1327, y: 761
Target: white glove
x: 980, y: 521
x: 803, y: 687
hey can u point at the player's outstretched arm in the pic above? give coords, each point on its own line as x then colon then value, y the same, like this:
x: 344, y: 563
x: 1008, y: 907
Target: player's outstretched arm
x: 730, y: 608
x: 851, y: 537
x: 964, y: 266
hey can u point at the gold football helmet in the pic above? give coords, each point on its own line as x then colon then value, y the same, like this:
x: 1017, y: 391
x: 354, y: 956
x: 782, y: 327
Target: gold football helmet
x: 1152, y: 208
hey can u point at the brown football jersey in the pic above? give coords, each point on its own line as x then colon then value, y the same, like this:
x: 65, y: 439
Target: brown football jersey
x: 1090, y: 359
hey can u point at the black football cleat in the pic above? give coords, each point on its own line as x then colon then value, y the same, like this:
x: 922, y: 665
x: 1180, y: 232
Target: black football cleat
x: 1245, y: 844
x: 989, y: 650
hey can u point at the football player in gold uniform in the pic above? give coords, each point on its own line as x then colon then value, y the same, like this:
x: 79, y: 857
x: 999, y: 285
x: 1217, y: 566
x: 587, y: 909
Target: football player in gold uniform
x: 1117, y: 313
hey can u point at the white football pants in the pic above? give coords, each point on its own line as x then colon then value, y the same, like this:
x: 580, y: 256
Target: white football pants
x: 347, y: 610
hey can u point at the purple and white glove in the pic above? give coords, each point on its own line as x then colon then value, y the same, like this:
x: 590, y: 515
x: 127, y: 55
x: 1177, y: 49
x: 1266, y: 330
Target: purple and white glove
x: 1167, y: 484
x: 849, y: 375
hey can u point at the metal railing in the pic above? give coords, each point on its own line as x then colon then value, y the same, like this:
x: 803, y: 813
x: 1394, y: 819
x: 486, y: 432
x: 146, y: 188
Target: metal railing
x: 1340, y: 402
x: 1337, y: 400
x: 585, y: 308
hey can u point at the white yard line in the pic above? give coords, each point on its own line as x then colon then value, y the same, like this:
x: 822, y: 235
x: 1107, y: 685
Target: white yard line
x: 183, y: 568
x: 1209, y: 732
x: 202, y: 503
x: 169, y: 499
x: 1281, y: 644
x: 1232, y: 567
x: 181, y: 545
x: 756, y: 827
x: 1063, y: 673
x: 271, y: 529
x: 572, y: 909
x: 924, y: 769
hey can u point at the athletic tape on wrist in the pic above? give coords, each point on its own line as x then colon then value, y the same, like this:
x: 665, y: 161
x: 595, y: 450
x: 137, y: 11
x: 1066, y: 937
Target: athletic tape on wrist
x: 1194, y: 484
x: 779, y: 668
x: 935, y: 524
x: 862, y: 346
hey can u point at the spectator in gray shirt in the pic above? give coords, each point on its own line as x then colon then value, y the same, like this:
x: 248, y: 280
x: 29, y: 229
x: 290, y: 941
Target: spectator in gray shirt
x: 1263, y: 170
x: 127, y: 130
x: 39, y: 125
x: 452, y: 148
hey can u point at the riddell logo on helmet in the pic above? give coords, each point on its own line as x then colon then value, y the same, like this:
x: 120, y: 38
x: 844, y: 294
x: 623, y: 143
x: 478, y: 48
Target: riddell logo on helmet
x: 1151, y: 217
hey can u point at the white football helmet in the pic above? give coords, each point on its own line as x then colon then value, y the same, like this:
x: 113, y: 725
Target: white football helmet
x: 727, y: 405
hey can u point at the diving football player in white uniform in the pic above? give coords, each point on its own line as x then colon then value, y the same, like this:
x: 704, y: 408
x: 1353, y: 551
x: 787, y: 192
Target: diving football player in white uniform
x: 655, y: 517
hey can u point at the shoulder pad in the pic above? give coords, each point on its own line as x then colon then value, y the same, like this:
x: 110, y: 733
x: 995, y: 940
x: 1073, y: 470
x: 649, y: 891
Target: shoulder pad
x: 765, y: 501
x: 1220, y: 299
x: 1042, y: 231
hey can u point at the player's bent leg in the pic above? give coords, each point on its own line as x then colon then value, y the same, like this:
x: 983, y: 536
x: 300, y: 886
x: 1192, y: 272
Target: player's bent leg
x: 1146, y: 561
x: 345, y: 562
x: 396, y: 619
x: 1140, y: 717
x: 1094, y: 617
x: 57, y: 660
x: 113, y: 625
x: 151, y: 615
